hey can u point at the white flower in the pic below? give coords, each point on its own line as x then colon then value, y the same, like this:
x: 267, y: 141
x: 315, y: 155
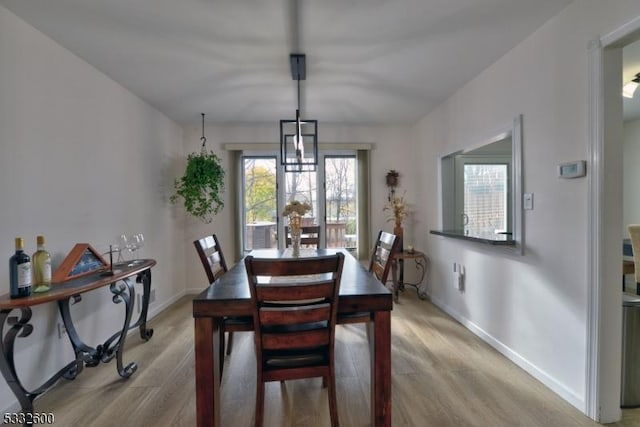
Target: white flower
x: 295, y: 206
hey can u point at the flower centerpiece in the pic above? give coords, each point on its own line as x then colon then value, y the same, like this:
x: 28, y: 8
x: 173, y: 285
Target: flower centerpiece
x: 295, y: 210
x: 398, y: 211
x: 296, y: 207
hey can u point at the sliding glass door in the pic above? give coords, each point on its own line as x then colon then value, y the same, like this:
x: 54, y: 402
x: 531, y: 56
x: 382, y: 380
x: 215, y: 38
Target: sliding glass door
x: 260, y: 196
x: 331, y: 191
x: 340, y: 201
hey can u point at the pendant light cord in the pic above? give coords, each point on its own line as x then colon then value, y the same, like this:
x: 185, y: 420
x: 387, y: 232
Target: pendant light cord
x: 298, y: 116
x: 298, y: 93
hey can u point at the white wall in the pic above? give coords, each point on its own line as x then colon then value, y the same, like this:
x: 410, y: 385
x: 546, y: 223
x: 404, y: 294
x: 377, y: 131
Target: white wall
x: 392, y: 150
x: 531, y: 307
x: 81, y: 160
x: 631, y: 168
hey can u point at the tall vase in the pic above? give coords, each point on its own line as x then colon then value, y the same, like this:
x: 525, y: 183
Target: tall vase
x: 397, y: 230
x: 295, y: 223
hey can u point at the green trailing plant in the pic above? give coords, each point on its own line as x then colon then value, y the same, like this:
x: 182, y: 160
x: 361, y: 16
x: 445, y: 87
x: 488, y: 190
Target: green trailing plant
x: 202, y: 185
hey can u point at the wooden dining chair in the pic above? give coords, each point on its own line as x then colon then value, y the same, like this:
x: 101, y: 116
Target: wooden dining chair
x: 310, y: 236
x: 634, y: 233
x: 295, y: 302
x: 386, y: 246
x: 212, y: 258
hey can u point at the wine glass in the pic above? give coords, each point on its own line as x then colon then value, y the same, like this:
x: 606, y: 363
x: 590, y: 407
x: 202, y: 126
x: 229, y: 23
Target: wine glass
x: 135, y: 242
x: 139, y: 239
x: 123, y: 243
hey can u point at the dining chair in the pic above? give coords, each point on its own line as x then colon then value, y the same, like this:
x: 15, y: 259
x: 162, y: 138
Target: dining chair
x: 294, y: 303
x: 310, y: 236
x: 634, y: 233
x: 212, y: 258
x: 385, y: 247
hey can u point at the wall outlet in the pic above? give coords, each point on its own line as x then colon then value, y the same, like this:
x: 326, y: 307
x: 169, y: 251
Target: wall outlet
x: 458, y: 277
x: 62, y: 331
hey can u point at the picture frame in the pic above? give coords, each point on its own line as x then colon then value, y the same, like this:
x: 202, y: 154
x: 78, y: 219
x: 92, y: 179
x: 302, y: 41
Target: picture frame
x: 82, y: 260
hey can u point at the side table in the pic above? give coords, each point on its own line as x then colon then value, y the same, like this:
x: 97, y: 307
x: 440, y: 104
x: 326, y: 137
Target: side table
x: 421, y: 263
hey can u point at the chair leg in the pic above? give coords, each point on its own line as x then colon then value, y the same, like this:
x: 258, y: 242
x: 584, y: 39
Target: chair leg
x: 333, y: 403
x: 259, y: 402
x: 229, y: 343
x: 637, y: 288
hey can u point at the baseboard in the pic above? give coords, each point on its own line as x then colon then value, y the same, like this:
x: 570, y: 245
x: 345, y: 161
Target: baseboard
x: 154, y: 311
x: 560, y: 389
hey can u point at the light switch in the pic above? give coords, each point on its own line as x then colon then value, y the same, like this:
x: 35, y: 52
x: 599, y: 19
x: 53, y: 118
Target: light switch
x: 528, y: 201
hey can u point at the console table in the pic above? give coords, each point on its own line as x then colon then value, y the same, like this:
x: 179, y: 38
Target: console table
x: 66, y: 294
x: 421, y: 262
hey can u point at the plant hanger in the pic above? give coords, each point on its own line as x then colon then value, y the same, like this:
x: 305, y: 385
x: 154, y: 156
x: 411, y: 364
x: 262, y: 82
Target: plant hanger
x: 203, y: 138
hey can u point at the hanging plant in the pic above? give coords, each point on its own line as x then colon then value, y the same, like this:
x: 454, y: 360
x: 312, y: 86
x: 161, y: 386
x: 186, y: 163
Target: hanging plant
x: 202, y: 185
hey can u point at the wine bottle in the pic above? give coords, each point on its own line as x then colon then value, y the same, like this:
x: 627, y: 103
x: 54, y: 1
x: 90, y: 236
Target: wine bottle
x: 41, y: 267
x: 20, y: 272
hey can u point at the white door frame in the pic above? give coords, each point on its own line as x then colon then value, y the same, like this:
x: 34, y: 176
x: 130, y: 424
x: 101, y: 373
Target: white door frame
x: 604, y: 311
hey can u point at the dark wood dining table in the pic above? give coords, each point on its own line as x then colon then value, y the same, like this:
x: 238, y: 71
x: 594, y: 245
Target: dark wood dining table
x: 360, y: 291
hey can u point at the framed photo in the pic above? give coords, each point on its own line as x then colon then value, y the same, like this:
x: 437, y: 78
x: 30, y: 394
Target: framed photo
x: 82, y: 260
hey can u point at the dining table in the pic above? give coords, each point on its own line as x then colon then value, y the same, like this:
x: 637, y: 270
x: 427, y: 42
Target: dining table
x: 229, y: 295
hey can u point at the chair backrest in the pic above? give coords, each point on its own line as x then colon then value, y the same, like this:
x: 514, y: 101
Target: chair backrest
x: 385, y: 248
x: 310, y: 236
x: 210, y: 254
x: 294, y: 303
x: 634, y: 233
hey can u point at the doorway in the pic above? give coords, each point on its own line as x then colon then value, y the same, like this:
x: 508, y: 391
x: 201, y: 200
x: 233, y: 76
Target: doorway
x: 605, y: 222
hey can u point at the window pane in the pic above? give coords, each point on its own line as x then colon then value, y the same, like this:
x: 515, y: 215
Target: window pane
x: 260, y: 198
x: 340, y: 202
x: 485, y: 198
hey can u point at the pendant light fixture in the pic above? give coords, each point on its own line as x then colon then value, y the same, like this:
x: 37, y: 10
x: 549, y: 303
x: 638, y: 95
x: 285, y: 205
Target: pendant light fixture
x: 298, y: 138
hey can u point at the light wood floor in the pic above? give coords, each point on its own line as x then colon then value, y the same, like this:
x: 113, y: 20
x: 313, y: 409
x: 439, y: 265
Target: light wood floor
x: 442, y: 376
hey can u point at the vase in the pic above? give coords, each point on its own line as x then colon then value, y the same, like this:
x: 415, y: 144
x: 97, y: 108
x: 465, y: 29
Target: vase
x: 295, y: 224
x: 397, y: 230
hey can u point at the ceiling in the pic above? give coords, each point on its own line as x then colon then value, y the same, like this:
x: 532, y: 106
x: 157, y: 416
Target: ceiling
x: 368, y: 61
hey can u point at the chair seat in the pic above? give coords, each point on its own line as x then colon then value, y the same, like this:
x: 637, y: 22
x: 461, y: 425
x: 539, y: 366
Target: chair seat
x: 294, y: 359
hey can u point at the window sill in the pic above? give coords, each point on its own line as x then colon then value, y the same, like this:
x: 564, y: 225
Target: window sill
x: 489, y: 239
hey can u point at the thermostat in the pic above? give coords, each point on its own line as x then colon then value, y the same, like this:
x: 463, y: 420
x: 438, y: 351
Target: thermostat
x: 575, y: 169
